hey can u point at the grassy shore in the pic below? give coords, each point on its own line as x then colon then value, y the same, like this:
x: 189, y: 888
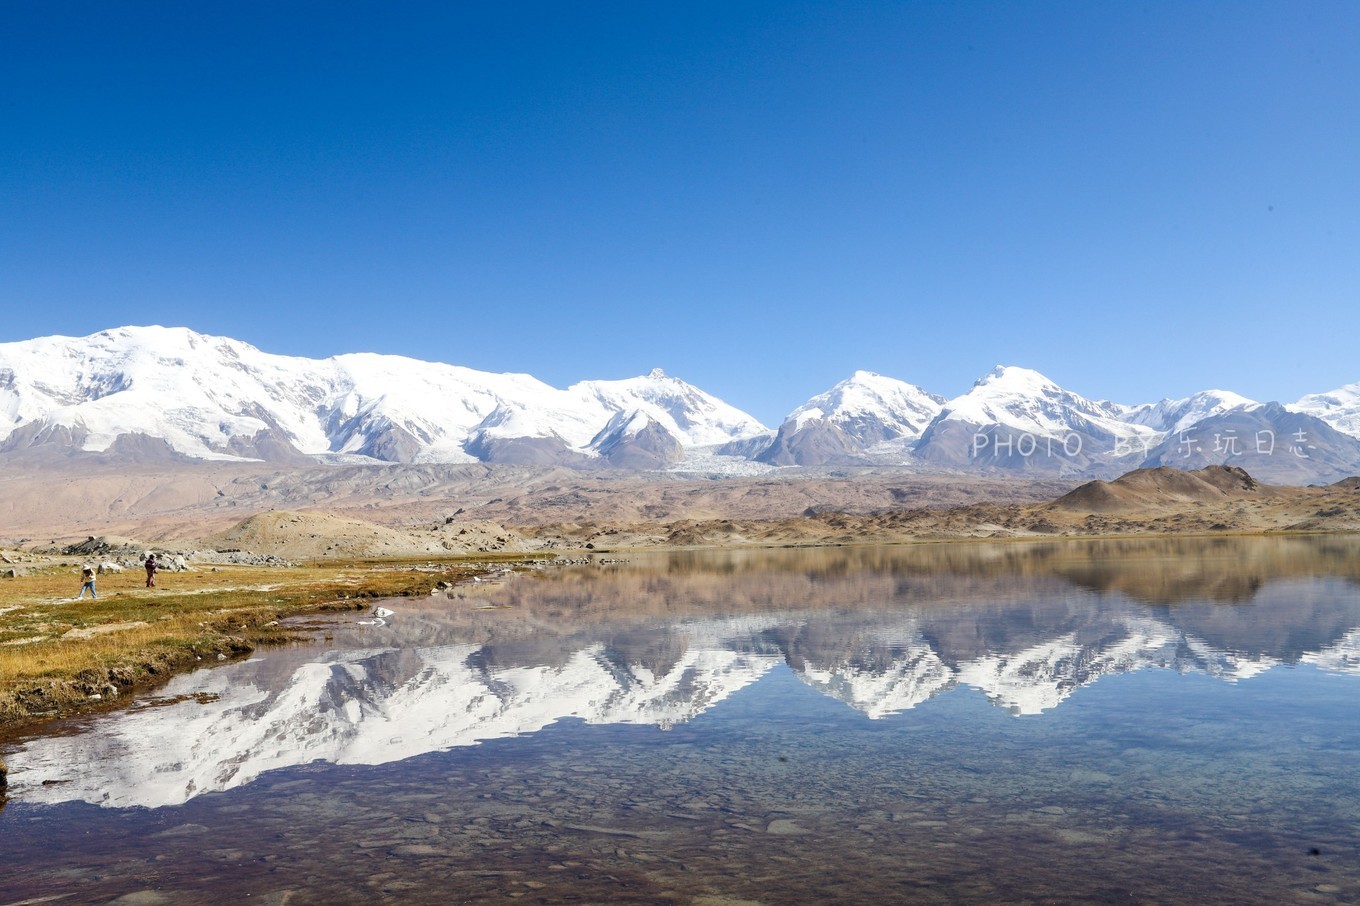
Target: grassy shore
x: 59, y: 656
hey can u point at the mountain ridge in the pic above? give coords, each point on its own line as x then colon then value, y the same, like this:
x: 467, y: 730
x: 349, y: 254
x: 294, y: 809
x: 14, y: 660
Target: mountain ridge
x: 147, y: 393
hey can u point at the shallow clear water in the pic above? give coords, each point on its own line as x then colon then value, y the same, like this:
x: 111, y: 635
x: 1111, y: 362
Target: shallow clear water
x: 1070, y: 722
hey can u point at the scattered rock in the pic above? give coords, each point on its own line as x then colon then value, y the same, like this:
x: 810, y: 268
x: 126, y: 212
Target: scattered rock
x: 182, y: 830
x: 142, y: 898
x: 785, y: 827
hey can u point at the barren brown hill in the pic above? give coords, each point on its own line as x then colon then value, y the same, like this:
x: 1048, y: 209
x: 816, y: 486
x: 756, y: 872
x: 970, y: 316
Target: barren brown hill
x: 315, y: 536
x: 1144, y: 490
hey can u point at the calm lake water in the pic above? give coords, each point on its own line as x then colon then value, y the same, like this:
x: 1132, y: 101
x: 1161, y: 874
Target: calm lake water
x: 1152, y: 722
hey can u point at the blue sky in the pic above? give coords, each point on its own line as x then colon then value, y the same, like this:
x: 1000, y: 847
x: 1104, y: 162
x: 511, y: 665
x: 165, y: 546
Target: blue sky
x: 1139, y: 200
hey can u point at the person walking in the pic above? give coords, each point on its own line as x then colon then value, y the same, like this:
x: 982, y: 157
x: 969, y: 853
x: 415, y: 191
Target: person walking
x: 151, y: 567
x: 87, y: 577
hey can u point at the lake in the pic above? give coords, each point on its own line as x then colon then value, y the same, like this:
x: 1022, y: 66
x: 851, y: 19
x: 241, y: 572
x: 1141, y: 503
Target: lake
x: 1153, y: 721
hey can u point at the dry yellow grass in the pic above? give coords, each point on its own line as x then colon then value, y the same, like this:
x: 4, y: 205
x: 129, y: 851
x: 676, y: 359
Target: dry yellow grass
x: 58, y: 654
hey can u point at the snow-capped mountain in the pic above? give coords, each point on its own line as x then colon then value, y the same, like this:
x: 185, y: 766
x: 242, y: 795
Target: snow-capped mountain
x: 1171, y: 416
x: 217, y: 398
x: 1339, y: 408
x: 871, y: 408
x: 1024, y: 399
x: 1017, y: 419
x: 860, y: 412
x: 156, y: 392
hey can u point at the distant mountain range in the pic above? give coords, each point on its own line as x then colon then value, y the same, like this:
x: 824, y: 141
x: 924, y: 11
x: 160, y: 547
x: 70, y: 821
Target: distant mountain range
x: 147, y: 393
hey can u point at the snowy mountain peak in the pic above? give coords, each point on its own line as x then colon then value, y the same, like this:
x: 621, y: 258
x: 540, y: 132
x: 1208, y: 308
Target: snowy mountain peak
x: 693, y: 417
x: 1016, y: 379
x: 1016, y: 419
x: 870, y: 406
x: 1007, y: 384
x: 1174, y: 416
x: 850, y: 420
x: 1025, y: 400
x: 1339, y: 408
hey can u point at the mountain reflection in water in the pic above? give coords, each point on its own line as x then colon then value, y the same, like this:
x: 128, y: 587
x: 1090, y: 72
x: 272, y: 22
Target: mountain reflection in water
x: 663, y: 638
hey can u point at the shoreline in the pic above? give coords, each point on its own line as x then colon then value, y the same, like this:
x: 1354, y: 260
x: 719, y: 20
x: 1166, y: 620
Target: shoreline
x: 129, y: 641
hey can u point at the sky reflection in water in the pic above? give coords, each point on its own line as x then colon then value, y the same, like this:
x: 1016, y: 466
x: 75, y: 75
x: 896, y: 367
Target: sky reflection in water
x: 1168, y: 720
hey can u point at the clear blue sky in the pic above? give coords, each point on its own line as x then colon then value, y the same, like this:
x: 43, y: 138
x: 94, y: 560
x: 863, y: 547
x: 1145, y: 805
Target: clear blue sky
x: 1137, y: 199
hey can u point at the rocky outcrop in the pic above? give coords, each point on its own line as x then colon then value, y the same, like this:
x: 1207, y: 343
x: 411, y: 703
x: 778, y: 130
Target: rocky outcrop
x: 622, y: 443
x: 142, y: 448
x: 270, y: 445
x: 43, y: 434
x: 816, y: 442
x: 524, y: 451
